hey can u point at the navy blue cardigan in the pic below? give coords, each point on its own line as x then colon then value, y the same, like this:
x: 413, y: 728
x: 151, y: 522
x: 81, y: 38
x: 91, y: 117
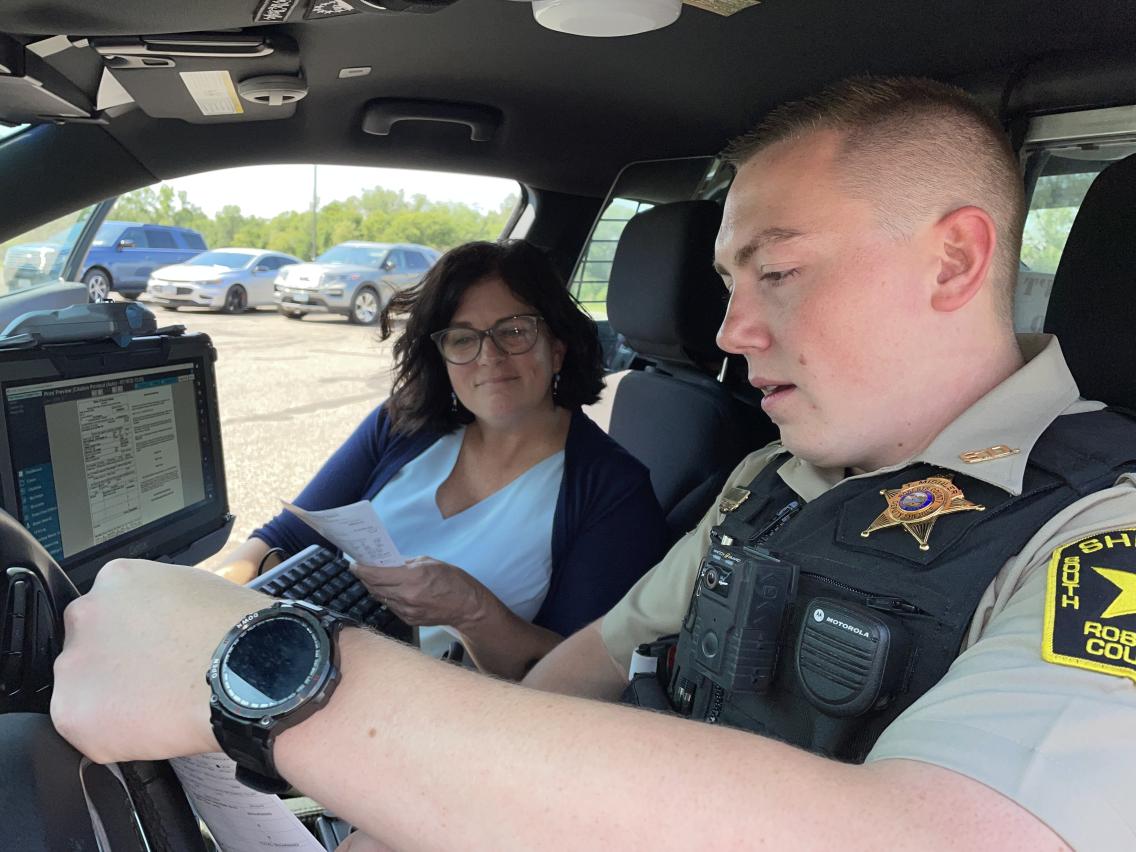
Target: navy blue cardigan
x: 607, y: 529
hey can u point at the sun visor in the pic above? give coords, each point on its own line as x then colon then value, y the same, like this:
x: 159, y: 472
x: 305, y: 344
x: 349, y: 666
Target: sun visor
x: 207, y: 78
x: 32, y: 91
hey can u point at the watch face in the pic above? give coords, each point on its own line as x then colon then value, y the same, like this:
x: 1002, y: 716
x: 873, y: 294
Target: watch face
x: 270, y: 663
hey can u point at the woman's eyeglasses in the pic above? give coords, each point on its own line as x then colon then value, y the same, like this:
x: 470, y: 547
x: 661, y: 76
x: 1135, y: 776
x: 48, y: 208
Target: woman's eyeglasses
x: 514, y: 335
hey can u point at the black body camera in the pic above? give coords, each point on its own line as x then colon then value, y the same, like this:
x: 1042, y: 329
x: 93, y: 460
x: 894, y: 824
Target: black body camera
x: 733, y: 630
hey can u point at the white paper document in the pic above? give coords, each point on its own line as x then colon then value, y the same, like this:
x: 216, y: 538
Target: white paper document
x: 354, y: 529
x: 239, y: 818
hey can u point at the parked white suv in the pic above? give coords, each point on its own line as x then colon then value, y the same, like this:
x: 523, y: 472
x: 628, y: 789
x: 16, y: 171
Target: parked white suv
x: 355, y: 279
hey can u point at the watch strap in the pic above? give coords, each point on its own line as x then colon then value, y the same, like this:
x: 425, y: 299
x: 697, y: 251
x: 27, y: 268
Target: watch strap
x: 250, y: 746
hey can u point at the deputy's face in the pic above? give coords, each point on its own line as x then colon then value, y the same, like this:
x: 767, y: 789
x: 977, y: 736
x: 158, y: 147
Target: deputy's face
x: 826, y: 306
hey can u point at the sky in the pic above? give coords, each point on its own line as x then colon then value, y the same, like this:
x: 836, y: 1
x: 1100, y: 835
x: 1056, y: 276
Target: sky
x: 269, y: 190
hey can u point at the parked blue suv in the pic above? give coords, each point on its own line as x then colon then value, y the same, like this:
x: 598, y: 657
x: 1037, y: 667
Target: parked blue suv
x: 121, y: 257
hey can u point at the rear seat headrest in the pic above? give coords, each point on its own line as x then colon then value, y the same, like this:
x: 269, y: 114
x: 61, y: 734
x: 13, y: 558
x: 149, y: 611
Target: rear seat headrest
x: 663, y: 295
x: 1092, y: 309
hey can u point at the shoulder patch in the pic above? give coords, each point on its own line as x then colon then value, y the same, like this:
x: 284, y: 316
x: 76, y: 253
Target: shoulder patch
x: 1090, y: 604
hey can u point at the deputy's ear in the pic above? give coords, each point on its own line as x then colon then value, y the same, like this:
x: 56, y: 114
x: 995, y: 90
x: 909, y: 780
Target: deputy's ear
x: 966, y: 239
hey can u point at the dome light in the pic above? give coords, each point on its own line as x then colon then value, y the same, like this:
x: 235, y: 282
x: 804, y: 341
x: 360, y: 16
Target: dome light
x: 606, y: 18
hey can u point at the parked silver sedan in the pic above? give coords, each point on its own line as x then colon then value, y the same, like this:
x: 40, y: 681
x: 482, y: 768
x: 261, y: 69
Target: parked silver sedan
x: 227, y: 279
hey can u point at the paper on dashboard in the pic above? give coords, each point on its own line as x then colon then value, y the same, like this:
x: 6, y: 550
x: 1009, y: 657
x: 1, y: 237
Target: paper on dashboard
x: 354, y: 529
x: 239, y: 818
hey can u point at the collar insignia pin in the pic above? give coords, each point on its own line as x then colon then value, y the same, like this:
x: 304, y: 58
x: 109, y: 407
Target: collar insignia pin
x: 732, y: 498
x: 988, y: 454
x: 917, y: 505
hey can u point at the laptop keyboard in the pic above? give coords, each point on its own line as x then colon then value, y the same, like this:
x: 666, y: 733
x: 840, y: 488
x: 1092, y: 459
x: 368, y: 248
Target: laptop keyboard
x: 321, y: 576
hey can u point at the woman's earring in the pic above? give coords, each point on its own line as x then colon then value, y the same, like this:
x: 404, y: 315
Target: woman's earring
x: 453, y: 402
x: 555, y: 385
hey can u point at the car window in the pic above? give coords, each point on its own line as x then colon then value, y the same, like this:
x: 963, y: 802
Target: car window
x: 36, y: 257
x: 1056, y: 199
x: 415, y: 261
x: 228, y: 259
x: 273, y: 261
x: 589, y: 283
x: 354, y: 255
x: 270, y: 208
x: 157, y: 238
x: 1064, y: 174
x: 107, y: 235
x: 136, y: 236
x: 394, y: 261
x: 6, y: 131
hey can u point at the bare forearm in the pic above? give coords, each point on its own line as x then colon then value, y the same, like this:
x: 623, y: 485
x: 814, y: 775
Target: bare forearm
x: 503, y: 644
x: 243, y: 562
x: 580, y: 665
x: 426, y: 756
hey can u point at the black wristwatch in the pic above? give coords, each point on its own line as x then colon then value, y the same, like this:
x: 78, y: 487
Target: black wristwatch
x: 273, y: 670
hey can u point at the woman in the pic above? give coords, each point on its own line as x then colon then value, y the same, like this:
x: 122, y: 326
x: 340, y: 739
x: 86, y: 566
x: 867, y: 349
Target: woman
x: 532, y: 521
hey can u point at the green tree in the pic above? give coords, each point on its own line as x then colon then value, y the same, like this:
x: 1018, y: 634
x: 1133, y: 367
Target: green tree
x: 376, y: 215
x: 1053, y: 206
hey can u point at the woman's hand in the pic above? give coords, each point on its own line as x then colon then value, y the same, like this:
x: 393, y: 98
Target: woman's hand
x: 426, y: 591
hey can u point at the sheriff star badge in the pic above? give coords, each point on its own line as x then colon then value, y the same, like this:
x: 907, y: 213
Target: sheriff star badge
x: 917, y: 505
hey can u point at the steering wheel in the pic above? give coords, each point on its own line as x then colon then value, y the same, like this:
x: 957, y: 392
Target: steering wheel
x: 51, y: 797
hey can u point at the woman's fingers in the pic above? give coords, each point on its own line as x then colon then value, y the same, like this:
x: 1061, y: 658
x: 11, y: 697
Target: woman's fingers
x: 373, y: 575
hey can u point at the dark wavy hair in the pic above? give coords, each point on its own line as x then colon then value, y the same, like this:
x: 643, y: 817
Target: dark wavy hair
x: 421, y: 395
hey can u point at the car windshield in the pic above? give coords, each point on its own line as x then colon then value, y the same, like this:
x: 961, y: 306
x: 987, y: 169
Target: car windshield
x: 107, y: 234
x: 228, y: 259
x: 357, y: 255
x: 67, y: 235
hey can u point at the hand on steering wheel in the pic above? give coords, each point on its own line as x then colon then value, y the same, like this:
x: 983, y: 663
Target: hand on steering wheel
x: 44, y: 803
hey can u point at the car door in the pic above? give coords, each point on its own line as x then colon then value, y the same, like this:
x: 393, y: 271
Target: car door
x: 260, y: 278
x: 161, y: 250
x: 395, y: 271
x: 416, y: 266
x: 128, y: 260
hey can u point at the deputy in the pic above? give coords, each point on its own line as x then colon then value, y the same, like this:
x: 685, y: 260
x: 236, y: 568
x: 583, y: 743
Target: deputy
x: 934, y: 472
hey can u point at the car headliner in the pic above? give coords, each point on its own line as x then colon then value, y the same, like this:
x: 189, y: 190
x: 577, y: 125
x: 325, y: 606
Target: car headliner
x: 575, y: 110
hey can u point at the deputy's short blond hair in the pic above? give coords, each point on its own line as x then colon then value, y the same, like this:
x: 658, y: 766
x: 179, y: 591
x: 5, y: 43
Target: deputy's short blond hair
x: 912, y: 147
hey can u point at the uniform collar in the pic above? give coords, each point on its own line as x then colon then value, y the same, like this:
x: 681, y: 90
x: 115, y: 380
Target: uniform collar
x: 1013, y: 414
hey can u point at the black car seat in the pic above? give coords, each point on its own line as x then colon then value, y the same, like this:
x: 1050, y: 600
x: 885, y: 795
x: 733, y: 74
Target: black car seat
x: 1093, y: 303
x: 674, y: 415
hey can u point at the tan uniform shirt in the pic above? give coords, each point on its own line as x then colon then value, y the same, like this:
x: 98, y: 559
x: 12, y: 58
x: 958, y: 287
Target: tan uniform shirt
x: 1058, y: 740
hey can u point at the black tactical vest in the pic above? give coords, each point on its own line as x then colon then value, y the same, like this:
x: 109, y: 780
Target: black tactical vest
x: 929, y: 595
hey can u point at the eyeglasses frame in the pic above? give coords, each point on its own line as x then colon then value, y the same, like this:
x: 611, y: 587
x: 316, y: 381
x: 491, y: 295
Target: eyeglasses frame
x: 484, y: 333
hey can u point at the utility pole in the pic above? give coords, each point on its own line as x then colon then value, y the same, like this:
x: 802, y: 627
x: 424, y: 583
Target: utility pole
x: 315, y: 213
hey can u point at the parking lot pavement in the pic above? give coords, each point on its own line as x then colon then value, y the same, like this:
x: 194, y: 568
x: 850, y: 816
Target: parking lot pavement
x: 289, y: 393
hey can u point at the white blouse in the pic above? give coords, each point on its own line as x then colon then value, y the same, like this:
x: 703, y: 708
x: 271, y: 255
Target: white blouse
x: 504, y: 541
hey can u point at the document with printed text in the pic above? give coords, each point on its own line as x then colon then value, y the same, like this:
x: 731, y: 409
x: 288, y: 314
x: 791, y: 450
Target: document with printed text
x: 354, y: 529
x: 239, y: 818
